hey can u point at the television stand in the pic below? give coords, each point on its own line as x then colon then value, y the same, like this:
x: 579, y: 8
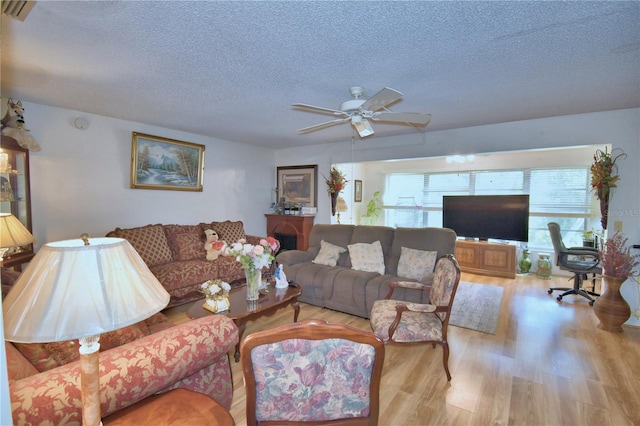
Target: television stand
x: 485, y: 258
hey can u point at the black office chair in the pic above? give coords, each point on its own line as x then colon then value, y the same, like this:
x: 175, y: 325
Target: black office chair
x: 579, y: 260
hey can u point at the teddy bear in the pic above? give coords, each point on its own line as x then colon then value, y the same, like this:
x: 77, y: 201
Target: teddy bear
x: 213, y: 247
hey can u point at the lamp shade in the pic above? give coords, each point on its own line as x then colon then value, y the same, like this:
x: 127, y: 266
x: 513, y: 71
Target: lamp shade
x: 341, y: 205
x: 12, y: 232
x: 71, y: 290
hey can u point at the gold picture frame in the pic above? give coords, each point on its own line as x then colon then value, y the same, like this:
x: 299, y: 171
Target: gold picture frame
x: 163, y: 163
x: 298, y: 184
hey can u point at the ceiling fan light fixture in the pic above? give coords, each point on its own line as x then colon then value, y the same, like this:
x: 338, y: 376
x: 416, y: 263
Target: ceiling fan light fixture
x: 358, y: 111
x: 363, y: 127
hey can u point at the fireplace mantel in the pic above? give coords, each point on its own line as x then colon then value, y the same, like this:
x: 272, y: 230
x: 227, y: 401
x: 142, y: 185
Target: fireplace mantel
x: 300, y: 226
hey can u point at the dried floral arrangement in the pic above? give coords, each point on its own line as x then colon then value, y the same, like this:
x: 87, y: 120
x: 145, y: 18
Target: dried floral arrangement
x: 616, y: 258
x: 336, y: 181
x: 604, y: 172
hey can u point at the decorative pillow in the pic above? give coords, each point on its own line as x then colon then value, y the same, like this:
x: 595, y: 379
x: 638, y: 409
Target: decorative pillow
x: 45, y: 356
x: 367, y: 257
x: 18, y: 367
x: 119, y: 337
x: 150, y: 243
x: 172, y: 230
x: 328, y: 254
x: 228, y: 231
x: 416, y: 264
x: 188, y: 246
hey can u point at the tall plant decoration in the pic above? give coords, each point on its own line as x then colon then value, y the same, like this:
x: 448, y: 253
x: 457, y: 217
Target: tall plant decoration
x: 604, y: 177
x: 335, y: 183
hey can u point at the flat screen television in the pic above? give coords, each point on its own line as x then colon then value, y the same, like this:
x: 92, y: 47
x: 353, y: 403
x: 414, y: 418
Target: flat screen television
x: 501, y: 217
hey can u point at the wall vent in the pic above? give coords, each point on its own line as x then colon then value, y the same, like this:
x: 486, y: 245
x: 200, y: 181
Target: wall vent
x: 17, y: 9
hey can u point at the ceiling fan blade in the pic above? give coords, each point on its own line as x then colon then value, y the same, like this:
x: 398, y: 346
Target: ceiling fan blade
x: 381, y: 99
x: 403, y: 117
x: 312, y: 108
x: 323, y: 125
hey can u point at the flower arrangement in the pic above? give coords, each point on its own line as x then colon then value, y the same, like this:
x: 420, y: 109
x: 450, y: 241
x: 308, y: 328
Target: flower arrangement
x: 217, y: 295
x: 604, y: 172
x: 616, y: 258
x: 336, y: 181
x: 215, y: 288
x: 253, y: 257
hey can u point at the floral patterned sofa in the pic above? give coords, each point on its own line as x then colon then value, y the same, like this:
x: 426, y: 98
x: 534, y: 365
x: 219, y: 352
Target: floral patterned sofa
x: 138, y: 361
x: 175, y: 254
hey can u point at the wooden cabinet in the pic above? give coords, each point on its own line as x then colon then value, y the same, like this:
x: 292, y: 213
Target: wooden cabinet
x: 484, y: 258
x: 298, y: 226
x: 15, y: 194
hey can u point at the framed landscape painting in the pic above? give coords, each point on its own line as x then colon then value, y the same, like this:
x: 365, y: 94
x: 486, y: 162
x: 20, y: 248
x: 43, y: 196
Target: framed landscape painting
x: 298, y: 184
x: 161, y: 163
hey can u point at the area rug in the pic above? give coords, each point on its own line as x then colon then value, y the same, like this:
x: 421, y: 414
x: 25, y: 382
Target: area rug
x: 477, y: 307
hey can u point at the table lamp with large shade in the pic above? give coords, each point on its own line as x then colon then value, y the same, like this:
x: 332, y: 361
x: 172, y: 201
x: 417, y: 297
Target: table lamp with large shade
x: 12, y: 233
x: 79, y: 289
x: 341, y: 207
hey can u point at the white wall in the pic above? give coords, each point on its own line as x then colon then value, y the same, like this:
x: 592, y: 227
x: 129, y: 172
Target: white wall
x: 620, y: 128
x: 80, y: 179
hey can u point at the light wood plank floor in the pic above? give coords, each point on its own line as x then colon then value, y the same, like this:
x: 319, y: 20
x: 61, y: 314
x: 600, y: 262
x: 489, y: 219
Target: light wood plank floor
x: 547, y: 364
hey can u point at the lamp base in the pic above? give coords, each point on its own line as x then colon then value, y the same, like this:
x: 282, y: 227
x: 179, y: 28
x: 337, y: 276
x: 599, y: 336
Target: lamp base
x: 90, y: 380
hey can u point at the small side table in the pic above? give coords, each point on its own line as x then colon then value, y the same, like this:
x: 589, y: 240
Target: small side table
x: 177, y: 407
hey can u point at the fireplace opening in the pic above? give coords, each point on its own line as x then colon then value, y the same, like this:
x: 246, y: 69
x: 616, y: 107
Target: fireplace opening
x: 287, y: 242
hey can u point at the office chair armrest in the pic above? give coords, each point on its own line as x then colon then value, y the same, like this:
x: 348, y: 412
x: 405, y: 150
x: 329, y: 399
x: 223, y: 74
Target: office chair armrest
x: 591, y: 249
x: 580, y: 251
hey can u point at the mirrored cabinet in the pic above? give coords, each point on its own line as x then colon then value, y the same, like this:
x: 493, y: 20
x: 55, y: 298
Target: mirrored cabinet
x: 15, y: 195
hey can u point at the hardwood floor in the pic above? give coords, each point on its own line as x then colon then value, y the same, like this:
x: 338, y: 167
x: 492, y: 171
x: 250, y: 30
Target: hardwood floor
x: 547, y: 364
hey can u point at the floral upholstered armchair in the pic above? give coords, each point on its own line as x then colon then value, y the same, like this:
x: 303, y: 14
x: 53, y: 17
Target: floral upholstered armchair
x: 312, y: 371
x: 397, y: 321
x: 44, y: 388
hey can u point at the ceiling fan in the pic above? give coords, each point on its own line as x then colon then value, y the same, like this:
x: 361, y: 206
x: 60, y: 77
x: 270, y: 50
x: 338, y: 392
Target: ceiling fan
x: 362, y: 108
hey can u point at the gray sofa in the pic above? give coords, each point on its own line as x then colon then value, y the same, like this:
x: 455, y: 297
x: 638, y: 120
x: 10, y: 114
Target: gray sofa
x: 353, y: 291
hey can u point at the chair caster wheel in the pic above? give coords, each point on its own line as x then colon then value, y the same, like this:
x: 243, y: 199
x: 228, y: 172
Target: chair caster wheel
x: 549, y: 291
x: 559, y: 298
x: 591, y: 302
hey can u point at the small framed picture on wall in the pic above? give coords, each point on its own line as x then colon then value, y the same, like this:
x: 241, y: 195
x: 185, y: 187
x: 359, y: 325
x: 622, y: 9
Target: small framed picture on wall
x: 357, y: 191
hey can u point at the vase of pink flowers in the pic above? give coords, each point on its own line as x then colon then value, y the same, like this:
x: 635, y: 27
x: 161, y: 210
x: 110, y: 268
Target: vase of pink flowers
x: 253, y: 259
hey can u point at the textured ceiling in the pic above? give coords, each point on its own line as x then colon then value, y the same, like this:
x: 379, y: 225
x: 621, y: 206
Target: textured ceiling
x: 231, y: 70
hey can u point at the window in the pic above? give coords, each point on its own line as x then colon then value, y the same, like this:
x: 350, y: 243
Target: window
x: 556, y: 195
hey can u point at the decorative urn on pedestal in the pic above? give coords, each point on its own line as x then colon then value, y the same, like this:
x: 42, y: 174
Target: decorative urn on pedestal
x: 617, y: 266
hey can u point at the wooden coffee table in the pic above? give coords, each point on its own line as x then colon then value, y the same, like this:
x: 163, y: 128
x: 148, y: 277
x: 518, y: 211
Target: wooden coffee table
x: 241, y: 311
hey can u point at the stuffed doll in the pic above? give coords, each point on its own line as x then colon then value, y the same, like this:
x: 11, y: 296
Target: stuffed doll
x: 213, y: 247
